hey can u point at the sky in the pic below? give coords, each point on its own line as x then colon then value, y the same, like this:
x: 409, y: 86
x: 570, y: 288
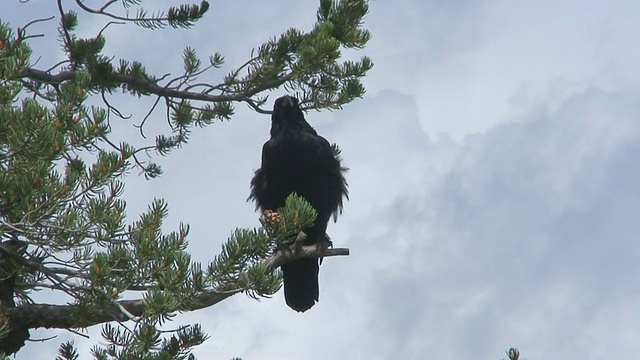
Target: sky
x: 494, y: 182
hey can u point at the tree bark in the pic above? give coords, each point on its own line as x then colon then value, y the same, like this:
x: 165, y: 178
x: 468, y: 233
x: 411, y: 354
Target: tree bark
x: 17, y: 332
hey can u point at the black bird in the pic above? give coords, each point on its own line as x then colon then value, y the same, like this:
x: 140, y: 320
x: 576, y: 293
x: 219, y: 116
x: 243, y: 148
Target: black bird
x: 297, y: 159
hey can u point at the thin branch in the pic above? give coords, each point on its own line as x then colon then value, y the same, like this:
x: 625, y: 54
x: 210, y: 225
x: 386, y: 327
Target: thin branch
x: 22, y: 31
x: 252, y: 104
x: 144, y: 120
x: 36, y: 92
x: 67, y: 36
x: 112, y: 108
x: 78, y: 333
x: 109, y: 24
x: 107, y: 4
x: 53, y: 337
x: 102, y: 11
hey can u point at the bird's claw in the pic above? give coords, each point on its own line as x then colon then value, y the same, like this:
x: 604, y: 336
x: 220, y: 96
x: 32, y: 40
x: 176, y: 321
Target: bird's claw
x: 323, y: 245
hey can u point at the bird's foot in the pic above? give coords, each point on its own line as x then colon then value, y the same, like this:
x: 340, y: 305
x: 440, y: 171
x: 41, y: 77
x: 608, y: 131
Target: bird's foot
x: 323, y: 245
x: 326, y: 243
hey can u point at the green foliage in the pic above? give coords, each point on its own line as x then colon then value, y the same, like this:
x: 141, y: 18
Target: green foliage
x: 62, y: 172
x: 239, y: 264
x: 296, y: 215
x: 67, y: 351
x: 513, y: 354
x: 312, y: 57
x: 146, y: 342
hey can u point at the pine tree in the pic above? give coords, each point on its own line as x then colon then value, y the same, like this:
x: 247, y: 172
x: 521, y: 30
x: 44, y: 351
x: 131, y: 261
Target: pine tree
x: 62, y: 174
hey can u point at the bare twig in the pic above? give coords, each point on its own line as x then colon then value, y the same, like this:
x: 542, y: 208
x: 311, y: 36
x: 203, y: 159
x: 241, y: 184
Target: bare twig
x: 22, y: 31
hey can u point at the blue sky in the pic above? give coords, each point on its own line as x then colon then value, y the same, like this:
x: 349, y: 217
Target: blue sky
x: 495, y: 182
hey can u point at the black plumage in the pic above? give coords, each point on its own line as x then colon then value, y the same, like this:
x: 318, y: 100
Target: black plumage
x: 297, y: 159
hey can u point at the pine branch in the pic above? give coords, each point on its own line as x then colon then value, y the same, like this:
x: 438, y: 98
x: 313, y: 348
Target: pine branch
x: 32, y: 316
x: 153, y: 88
x: 184, y: 16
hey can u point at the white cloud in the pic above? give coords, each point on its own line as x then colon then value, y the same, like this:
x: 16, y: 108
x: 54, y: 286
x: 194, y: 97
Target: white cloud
x: 521, y: 241
x: 477, y: 64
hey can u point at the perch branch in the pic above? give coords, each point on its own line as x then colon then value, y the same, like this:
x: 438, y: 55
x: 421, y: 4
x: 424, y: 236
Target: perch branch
x: 32, y: 316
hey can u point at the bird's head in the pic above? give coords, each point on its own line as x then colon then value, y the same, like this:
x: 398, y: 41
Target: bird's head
x: 287, y: 109
x: 288, y: 115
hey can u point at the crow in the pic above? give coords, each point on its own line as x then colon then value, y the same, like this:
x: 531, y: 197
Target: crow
x: 297, y: 159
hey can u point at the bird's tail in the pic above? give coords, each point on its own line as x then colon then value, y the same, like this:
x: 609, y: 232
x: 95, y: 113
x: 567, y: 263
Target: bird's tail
x: 301, y: 283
